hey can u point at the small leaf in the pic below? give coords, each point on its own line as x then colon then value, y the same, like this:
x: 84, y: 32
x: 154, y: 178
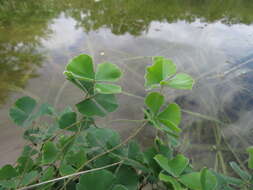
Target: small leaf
x: 68, y: 121
x: 98, y: 180
x: 22, y: 109
x: 81, y: 67
x: 243, y: 174
x: 29, y: 178
x: 49, y: 153
x: 175, y: 166
x: 76, y: 159
x: 25, y: 163
x: 180, y: 81
x: 104, y: 88
x: 108, y: 72
x: 171, y: 117
x: 48, y: 174
x: 66, y: 169
x: 191, y: 180
x: 7, y: 172
x: 128, y: 177
x: 154, y: 101
x: 171, y: 180
x: 250, y: 161
x: 208, y: 180
x: 160, y: 70
x: 100, y: 105
x: 119, y: 187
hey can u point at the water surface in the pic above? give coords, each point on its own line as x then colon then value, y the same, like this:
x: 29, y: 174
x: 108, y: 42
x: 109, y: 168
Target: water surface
x: 211, y: 40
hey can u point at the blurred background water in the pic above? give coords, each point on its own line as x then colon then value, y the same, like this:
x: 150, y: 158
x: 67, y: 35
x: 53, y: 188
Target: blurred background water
x: 209, y: 39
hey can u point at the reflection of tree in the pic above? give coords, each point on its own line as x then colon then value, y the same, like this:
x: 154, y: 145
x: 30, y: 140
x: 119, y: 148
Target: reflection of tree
x: 134, y: 16
x: 22, y: 25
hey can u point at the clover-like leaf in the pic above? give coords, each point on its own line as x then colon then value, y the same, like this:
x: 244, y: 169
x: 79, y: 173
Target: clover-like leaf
x: 171, y: 117
x: 174, y: 166
x: 168, y: 179
x: 154, y: 101
x: 100, y: 105
x: 191, y: 180
x: 7, y: 172
x: 107, y: 72
x: 208, y: 180
x: 104, y: 88
x: 22, y: 109
x: 160, y: 70
x: 98, y: 180
x: 68, y: 121
x: 180, y: 81
x: 81, y: 67
x: 49, y: 153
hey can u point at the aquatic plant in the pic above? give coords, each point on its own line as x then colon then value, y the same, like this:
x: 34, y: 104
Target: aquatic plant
x: 72, y: 152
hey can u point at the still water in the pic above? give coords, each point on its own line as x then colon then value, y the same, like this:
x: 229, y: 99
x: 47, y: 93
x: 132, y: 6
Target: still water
x: 209, y: 39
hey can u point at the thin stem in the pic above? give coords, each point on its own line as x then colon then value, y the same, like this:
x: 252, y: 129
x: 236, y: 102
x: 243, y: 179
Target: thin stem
x: 68, y: 176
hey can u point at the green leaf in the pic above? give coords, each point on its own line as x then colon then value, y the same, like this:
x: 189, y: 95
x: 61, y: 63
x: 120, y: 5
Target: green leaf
x: 119, y: 187
x: 105, y: 88
x: 98, y: 180
x: 66, y: 169
x: 160, y: 70
x: 81, y: 67
x: 134, y: 151
x: 107, y: 72
x: 22, y: 110
x: 154, y: 101
x: 128, y: 177
x: 100, y: 105
x: 76, y: 159
x: 25, y: 163
x: 191, y: 180
x: 7, y: 172
x: 9, y: 184
x: 49, y: 153
x: 170, y: 180
x: 29, y: 178
x: 175, y: 166
x: 171, y: 117
x: 250, y: 161
x: 243, y: 174
x: 208, y: 180
x: 48, y: 174
x: 68, y: 121
x: 180, y: 81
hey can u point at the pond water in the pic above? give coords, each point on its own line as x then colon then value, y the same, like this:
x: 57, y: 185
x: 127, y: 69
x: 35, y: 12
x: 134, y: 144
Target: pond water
x: 211, y: 40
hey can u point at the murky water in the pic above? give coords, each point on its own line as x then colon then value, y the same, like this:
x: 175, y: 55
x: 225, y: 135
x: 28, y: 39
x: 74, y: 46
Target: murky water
x: 212, y: 40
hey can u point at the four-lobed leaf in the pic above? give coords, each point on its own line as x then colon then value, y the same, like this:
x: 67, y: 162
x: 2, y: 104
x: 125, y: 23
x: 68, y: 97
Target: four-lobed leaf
x: 22, y: 109
x: 175, y: 166
x: 160, y: 70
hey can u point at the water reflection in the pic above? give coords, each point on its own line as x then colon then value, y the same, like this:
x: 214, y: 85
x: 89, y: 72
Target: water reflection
x: 202, y: 37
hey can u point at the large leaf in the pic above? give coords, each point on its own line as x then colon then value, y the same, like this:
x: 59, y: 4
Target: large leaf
x: 170, y: 180
x: 180, y: 81
x: 29, y: 178
x: 171, y: 117
x: 104, y: 88
x: 49, y: 153
x: 22, y: 110
x: 191, y: 180
x: 128, y: 177
x: 68, y: 121
x: 175, y: 166
x: 154, y: 101
x: 7, y: 172
x: 208, y: 180
x: 108, y: 72
x: 98, y: 180
x: 81, y: 67
x: 76, y: 159
x: 100, y: 105
x: 160, y: 70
